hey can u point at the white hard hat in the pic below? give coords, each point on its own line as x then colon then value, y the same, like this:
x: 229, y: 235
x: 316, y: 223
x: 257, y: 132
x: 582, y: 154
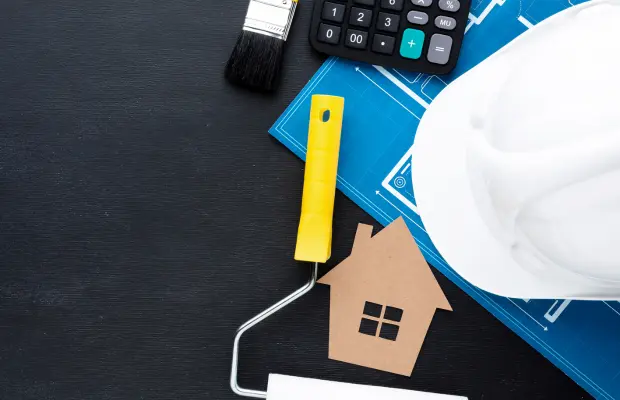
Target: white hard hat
x: 517, y: 162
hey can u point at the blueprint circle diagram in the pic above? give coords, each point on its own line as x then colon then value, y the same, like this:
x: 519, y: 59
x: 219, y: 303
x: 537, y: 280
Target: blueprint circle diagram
x: 400, y: 182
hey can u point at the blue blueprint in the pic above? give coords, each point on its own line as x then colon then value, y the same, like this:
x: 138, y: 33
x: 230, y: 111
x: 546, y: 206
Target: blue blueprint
x: 383, y: 109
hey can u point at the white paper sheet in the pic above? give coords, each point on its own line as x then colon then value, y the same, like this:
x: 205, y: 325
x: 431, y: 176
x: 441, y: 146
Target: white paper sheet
x: 284, y: 387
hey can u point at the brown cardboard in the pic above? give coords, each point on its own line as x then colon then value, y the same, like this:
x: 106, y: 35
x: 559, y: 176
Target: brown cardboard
x: 387, y: 270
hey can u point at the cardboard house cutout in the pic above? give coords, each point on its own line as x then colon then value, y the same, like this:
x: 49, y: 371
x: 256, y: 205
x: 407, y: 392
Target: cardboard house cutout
x: 383, y: 298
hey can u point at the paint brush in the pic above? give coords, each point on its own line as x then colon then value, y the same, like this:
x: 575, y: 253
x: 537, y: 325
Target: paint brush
x: 256, y: 60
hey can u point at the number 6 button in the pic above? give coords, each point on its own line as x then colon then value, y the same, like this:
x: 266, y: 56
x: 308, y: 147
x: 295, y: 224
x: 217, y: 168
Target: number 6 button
x: 396, y: 5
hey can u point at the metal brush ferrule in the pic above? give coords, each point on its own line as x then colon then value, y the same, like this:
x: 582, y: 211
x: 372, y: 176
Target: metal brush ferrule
x: 270, y: 17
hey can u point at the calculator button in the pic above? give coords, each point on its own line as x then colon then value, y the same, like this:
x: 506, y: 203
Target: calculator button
x: 333, y: 12
x: 365, y: 2
x: 439, y: 49
x: 423, y: 3
x: 396, y: 5
x: 356, y: 39
x: 329, y: 34
x: 388, y: 22
x: 417, y: 17
x: 445, y: 23
x: 360, y: 17
x: 449, y: 5
x: 383, y: 44
x: 411, y: 45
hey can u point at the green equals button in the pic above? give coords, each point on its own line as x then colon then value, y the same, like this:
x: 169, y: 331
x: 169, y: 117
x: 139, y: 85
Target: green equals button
x: 411, y: 46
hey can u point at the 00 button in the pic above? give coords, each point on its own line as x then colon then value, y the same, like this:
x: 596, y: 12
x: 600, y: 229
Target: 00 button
x: 356, y: 39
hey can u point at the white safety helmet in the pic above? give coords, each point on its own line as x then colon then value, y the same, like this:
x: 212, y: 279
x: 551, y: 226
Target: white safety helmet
x: 519, y: 188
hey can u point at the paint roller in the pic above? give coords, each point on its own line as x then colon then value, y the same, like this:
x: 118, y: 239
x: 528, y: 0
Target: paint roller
x: 314, y: 239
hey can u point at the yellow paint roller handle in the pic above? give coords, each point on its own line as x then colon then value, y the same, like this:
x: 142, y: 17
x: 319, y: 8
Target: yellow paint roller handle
x: 314, y: 237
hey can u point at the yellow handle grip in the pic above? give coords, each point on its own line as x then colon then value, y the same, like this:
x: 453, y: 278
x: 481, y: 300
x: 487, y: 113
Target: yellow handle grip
x: 314, y: 237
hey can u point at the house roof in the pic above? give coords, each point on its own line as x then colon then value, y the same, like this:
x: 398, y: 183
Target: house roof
x: 389, y: 262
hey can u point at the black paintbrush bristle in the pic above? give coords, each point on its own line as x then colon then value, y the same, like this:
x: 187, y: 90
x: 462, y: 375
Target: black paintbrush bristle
x: 256, y: 61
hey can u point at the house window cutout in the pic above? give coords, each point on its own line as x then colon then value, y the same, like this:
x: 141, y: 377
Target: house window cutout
x: 369, y: 327
x: 373, y: 309
x: 377, y: 324
x: 388, y: 331
x: 393, y: 314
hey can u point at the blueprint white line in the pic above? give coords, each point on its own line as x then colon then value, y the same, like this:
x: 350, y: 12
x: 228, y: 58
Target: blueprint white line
x: 367, y: 201
x: 308, y: 91
x: 612, y: 309
x: 469, y: 25
x: 403, y: 76
x: 525, y: 22
x: 406, y: 168
x: 384, y: 91
x: 400, y: 197
x: 553, y: 316
x: 398, y: 209
x: 402, y: 87
x: 485, y: 13
x: 304, y: 94
x: 526, y: 313
x: 360, y: 195
x: 428, y: 81
x: 322, y: 75
x: 294, y: 142
x: 404, y: 159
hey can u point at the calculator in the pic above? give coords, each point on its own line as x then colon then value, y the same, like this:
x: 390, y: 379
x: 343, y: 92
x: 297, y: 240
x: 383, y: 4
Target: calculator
x: 414, y: 35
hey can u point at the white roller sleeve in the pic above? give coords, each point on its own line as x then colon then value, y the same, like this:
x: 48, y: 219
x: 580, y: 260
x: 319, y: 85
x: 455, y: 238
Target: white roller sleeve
x: 283, y: 387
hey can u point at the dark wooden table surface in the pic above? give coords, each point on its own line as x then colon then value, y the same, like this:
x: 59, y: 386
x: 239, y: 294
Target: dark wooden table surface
x: 145, y: 213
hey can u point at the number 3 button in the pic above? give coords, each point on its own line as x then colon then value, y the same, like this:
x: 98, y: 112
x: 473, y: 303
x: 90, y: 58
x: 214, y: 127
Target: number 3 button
x: 356, y: 39
x: 388, y: 22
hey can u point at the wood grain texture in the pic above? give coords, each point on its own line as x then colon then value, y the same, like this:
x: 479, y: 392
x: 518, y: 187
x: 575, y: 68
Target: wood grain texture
x: 145, y: 214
